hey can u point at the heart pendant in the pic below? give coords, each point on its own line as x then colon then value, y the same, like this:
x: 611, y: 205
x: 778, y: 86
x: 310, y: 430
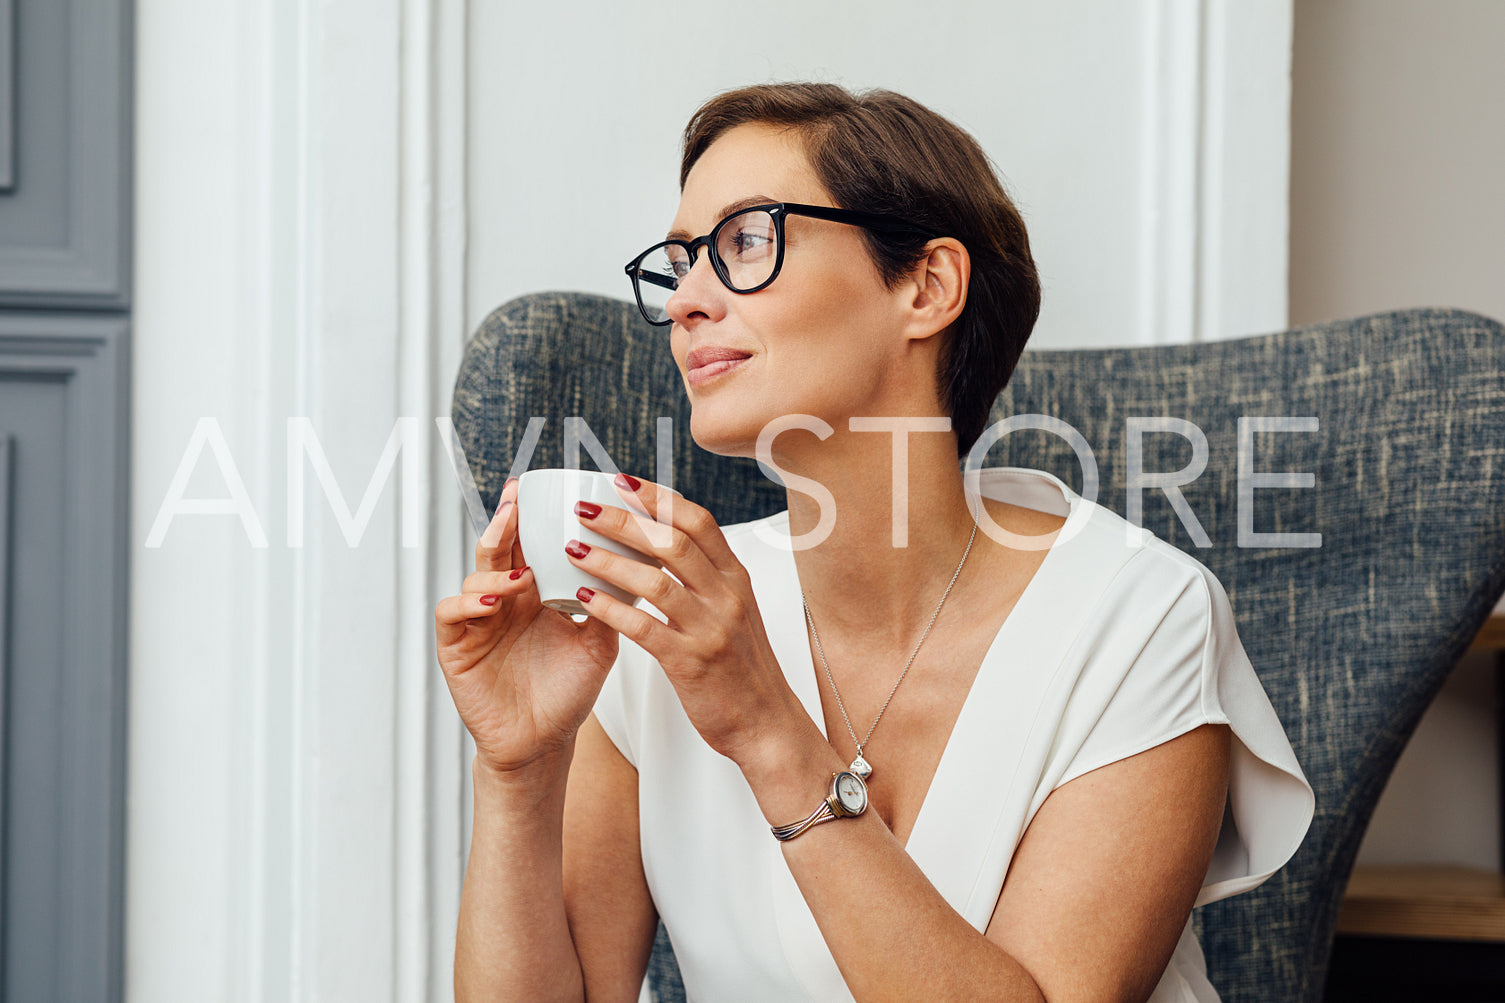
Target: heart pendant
x: 860, y: 767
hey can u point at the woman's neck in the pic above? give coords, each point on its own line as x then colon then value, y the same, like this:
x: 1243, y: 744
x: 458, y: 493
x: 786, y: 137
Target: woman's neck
x: 858, y: 580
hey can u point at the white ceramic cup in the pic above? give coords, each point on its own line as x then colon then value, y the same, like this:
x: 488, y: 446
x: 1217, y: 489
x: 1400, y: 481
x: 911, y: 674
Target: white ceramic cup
x: 547, y: 521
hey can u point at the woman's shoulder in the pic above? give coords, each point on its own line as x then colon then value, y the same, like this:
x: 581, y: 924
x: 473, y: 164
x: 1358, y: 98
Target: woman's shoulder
x: 1100, y: 564
x: 1096, y: 532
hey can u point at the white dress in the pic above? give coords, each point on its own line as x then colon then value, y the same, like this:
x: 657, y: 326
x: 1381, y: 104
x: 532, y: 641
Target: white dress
x: 1118, y: 643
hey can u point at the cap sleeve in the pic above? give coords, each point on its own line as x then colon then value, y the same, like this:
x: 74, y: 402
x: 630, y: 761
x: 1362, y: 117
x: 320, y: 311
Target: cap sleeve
x: 1270, y: 802
x: 1165, y: 660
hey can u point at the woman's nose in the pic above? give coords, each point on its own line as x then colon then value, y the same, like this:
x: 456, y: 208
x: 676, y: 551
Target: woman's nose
x: 700, y: 293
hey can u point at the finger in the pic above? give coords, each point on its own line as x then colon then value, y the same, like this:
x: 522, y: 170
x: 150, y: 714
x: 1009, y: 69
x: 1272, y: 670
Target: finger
x: 502, y: 583
x: 512, y: 491
x: 632, y: 623
x: 684, y: 610
x: 494, y: 550
x: 671, y: 546
x: 666, y: 508
x: 455, y: 613
x: 600, y: 640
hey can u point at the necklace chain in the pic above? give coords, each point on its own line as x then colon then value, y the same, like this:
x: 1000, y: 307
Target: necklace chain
x: 809, y: 619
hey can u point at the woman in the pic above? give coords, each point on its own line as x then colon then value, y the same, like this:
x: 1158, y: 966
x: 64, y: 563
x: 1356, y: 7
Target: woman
x: 1070, y: 712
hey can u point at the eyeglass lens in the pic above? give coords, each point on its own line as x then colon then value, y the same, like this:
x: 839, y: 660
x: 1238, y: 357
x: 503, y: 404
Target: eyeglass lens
x: 746, y: 244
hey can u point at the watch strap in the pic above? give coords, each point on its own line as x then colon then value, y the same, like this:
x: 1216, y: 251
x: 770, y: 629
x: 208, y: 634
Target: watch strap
x: 830, y: 808
x: 784, y: 833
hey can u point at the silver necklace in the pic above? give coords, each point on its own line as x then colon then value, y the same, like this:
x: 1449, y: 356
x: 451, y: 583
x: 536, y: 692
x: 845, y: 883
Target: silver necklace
x: 860, y: 765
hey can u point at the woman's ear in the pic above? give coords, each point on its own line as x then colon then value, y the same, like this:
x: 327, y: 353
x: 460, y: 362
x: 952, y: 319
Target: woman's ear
x: 938, y: 285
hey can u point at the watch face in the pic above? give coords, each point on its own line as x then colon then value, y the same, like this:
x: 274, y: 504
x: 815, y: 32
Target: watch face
x: 852, y: 792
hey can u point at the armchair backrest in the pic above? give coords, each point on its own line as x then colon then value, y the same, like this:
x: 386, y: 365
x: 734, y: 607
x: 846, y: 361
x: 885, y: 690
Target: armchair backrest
x: 1352, y: 638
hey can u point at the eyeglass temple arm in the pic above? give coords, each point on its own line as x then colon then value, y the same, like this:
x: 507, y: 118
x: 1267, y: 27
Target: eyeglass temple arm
x: 854, y: 216
x: 654, y: 278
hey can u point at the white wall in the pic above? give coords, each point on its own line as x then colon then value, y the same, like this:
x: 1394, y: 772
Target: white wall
x: 1143, y: 144
x: 331, y: 195
x: 1398, y: 154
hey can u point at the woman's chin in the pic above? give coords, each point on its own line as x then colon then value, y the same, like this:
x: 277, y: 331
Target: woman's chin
x: 723, y: 438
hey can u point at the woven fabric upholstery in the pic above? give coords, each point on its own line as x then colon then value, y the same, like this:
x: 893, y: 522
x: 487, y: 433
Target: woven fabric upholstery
x: 1351, y: 639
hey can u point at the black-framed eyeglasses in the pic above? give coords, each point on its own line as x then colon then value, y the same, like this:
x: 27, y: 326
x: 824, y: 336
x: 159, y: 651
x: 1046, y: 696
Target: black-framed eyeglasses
x: 747, y: 251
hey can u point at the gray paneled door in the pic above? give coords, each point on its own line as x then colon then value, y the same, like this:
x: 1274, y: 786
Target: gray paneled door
x: 65, y: 234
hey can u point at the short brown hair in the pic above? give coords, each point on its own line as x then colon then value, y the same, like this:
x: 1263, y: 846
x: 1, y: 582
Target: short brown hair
x: 878, y: 151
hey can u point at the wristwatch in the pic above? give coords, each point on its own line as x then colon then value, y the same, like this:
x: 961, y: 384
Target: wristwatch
x: 847, y: 798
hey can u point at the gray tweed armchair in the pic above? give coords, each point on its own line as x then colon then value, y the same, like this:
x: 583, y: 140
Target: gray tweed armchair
x: 1351, y: 639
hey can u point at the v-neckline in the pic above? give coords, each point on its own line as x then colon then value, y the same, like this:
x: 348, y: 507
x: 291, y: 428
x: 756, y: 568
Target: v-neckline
x: 802, y: 671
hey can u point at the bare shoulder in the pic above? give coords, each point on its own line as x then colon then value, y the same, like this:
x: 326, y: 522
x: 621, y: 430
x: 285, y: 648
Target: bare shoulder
x: 1021, y: 520
x: 611, y: 914
x: 1104, y: 879
x: 1005, y: 566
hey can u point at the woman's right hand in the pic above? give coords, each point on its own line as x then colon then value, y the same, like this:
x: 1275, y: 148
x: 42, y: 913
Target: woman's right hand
x: 523, y: 677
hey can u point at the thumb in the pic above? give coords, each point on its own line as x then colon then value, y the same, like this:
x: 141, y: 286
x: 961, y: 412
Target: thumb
x: 601, y: 641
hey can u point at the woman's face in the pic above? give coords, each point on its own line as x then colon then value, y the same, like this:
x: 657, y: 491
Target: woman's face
x: 819, y: 340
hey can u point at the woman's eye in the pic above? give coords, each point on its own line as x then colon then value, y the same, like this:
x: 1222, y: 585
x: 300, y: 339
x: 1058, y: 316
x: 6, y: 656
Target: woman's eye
x: 751, y: 241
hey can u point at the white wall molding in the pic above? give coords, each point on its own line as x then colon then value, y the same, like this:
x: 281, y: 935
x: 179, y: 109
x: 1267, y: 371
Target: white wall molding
x: 331, y: 196
x: 1215, y: 169
x: 1170, y: 170
x: 433, y: 755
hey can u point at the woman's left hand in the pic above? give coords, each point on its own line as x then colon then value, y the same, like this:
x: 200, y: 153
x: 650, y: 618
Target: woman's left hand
x: 713, y: 648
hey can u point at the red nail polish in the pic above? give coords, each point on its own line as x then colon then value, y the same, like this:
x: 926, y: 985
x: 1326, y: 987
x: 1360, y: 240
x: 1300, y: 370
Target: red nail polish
x: 584, y: 594
x: 576, y: 549
x: 489, y: 600
x: 509, y: 481
x: 587, y: 510
x: 517, y: 573
x: 629, y: 482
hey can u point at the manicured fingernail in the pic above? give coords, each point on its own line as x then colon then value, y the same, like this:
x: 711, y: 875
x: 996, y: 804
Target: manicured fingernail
x: 489, y: 600
x: 509, y: 483
x: 502, y: 507
x: 517, y: 573
x: 576, y: 549
x: 629, y: 482
x: 587, y: 510
x: 584, y: 594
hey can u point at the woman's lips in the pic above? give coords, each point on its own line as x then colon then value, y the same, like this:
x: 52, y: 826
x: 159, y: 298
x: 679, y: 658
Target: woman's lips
x: 712, y: 370
x: 705, y: 364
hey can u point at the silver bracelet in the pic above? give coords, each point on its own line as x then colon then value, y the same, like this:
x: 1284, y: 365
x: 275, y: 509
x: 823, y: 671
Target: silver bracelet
x: 784, y: 833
